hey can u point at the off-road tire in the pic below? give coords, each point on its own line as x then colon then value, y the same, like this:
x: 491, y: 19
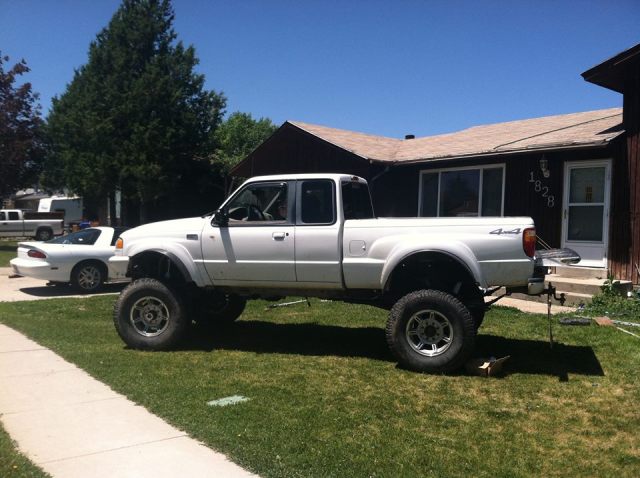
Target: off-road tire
x: 156, y: 295
x: 453, y: 320
x: 88, y: 277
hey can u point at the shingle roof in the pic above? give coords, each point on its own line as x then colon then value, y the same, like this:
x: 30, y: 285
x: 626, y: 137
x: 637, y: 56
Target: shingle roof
x: 590, y: 128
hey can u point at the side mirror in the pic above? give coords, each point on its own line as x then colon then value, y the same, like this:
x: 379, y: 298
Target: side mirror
x: 220, y: 218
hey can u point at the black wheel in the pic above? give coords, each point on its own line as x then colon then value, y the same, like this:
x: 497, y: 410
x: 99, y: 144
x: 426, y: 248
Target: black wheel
x: 218, y: 308
x: 88, y: 277
x: 430, y: 331
x: 44, y: 234
x: 148, y: 315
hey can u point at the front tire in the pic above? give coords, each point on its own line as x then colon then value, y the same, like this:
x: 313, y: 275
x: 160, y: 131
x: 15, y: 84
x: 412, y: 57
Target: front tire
x: 148, y: 315
x: 430, y: 331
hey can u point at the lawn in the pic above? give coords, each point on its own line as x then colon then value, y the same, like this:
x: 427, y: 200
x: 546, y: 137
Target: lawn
x: 7, y: 252
x: 12, y: 463
x: 326, y: 397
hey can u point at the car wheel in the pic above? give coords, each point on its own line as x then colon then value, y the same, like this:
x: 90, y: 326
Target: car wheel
x: 88, y: 277
x: 44, y: 234
x: 148, y: 315
x: 218, y: 308
x: 430, y: 331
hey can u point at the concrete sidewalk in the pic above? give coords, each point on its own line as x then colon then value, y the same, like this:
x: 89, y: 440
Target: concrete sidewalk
x: 72, y: 425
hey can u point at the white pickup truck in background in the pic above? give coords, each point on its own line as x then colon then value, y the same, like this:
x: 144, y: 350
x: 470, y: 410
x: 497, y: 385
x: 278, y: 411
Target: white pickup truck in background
x: 41, y: 226
x: 316, y: 235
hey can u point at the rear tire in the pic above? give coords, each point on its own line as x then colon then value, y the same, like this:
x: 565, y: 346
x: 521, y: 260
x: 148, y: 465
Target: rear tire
x: 218, y: 308
x: 148, y: 315
x: 44, y: 234
x: 430, y: 331
x: 88, y: 277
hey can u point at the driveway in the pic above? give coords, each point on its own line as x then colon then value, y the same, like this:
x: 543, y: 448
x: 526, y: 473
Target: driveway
x: 14, y: 289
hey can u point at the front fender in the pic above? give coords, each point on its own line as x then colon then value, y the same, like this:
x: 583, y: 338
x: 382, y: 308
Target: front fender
x: 177, y: 253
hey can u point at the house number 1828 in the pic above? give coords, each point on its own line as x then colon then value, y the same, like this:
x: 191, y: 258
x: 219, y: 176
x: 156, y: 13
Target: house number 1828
x: 542, y: 190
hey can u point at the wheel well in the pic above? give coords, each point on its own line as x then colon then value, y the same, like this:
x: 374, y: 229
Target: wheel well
x: 44, y: 228
x: 158, y: 265
x: 433, y: 270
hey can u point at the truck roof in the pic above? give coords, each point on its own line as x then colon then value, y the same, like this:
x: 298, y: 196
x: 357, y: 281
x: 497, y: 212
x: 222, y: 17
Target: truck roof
x: 292, y: 177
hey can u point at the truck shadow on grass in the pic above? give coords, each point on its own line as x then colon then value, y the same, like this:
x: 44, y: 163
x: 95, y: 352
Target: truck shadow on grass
x: 527, y: 356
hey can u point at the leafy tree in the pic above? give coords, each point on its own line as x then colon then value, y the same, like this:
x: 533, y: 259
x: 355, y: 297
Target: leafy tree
x: 136, y: 117
x: 21, y: 147
x: 238, y: 136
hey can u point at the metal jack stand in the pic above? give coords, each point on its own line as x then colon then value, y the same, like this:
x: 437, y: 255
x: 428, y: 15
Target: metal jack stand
x: 551, y: 292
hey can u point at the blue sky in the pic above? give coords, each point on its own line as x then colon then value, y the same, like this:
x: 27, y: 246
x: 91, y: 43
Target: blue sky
x: 381, y: 67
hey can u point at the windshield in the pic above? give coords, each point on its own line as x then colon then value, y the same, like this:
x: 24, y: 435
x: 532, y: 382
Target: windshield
x: 86, y: 237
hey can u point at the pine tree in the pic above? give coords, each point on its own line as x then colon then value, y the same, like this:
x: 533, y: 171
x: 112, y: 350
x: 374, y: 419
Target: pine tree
x: 136, y: 117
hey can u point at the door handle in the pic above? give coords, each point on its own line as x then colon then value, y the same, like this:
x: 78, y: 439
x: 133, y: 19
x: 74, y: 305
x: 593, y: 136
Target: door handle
x: 279, y: 236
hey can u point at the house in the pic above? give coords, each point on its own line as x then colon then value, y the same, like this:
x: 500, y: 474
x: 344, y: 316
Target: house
x: 575, y: 174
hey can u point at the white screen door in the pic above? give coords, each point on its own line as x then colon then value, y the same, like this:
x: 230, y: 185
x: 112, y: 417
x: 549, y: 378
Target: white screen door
x: 585, y: 217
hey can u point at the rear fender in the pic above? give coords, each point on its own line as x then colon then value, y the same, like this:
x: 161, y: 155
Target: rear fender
x: 455, y: 250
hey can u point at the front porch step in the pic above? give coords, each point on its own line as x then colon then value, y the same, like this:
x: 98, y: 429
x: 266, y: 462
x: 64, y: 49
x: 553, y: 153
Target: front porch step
x: 576, y: 272
x: 576, y: 291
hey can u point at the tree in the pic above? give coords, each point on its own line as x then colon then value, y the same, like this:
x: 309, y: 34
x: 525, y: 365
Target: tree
x: 238, y: 136
x: 136, y: 117
x: 21, y: 146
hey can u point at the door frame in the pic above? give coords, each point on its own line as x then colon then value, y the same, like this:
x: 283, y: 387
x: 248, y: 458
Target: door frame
x: 568, y: 165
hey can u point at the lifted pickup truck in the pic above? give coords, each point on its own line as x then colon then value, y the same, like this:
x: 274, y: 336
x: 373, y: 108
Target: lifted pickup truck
x: 41, y: 226
x: 316, y: 235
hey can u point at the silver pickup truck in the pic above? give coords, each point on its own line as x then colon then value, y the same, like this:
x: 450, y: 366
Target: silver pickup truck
x: 316, y: 235
x: 41, y: 226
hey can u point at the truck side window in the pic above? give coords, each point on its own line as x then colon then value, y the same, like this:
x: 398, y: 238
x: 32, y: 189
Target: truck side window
x: 316, y: 202
x: 13, y: 216
x: 2, y: 216
x: 356, y: 202
x: 261, y: 203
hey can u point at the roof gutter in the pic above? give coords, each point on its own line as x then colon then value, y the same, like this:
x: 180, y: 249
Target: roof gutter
x: 598, y: 145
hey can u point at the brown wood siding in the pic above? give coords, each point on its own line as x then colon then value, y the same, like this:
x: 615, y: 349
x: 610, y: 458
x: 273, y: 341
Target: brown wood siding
x: 291, y: 150
x: 625, y: 224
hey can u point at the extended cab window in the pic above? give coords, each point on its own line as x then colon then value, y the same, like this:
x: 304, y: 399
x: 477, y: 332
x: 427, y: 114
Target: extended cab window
x: 356, y: 202
x: 13, y: 216
x: 316, y: 202
x: 2, y: 216
x: 260, y: 202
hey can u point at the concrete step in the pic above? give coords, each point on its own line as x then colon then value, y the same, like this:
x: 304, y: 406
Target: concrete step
x: 582, y: 272
x: 572, y: 299
x: 585, y: 286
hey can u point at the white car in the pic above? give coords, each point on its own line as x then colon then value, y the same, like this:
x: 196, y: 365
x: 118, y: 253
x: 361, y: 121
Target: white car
x: 80, y: 258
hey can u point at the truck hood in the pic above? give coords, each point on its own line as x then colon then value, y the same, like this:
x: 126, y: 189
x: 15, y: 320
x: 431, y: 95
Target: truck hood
x: 173, y: 228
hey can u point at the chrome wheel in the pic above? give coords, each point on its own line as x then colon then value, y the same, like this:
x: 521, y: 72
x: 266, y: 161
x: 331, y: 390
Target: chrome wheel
x: 429, y: 333
x: 89, y: 278
x: 149, y: 316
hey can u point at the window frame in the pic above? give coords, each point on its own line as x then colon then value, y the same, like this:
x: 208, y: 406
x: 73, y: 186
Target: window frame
x: 291, y: 212
x: 480, y: 168
x: 298, y: 211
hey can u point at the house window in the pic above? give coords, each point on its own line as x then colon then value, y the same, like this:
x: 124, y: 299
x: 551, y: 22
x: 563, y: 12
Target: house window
x: 462, y: 192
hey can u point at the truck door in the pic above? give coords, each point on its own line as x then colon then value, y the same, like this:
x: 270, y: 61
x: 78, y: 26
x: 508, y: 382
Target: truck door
x: 256, y: 247
x: 318, y: 242
x: 10, y: 223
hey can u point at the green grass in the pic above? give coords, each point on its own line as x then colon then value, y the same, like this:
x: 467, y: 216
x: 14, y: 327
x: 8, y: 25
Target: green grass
x: 7, y: 252
x: 12, y: 463
x: 327, y: 399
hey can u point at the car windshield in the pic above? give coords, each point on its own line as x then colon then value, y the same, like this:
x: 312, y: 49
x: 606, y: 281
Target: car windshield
x: 86, y: 237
